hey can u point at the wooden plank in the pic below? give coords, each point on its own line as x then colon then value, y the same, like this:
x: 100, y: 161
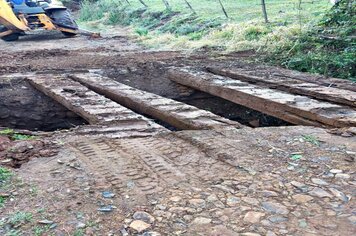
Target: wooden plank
x: 313, y: 78
x: 94, y: 108
x: 282, y: 73
x: 334, y: 95
x: 272, y: 102
x: 177, y: 114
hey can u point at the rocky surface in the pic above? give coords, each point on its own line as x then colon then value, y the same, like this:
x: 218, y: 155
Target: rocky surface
x: 212, y: 190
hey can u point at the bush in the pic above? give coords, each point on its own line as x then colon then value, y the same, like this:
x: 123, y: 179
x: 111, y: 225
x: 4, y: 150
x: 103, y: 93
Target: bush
x: 328, y: 48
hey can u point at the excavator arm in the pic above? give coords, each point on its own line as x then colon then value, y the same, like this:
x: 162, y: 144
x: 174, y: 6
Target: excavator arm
x: 10, y: 20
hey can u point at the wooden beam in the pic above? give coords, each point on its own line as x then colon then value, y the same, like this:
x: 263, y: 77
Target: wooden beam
x: 177, y: 114
x: 296, y: 109
x: 334, y: 95
x: 94, y: 108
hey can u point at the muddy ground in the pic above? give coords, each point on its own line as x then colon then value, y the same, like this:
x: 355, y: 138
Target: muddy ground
x: 287, y: 180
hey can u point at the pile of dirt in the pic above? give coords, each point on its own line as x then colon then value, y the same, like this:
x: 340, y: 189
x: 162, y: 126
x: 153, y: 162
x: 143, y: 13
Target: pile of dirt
x: 15, y: 153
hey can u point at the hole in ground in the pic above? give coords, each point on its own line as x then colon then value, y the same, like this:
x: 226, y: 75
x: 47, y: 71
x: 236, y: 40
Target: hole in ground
x: 151, y: 77
x: 232, y: 111
x: 23, y: 107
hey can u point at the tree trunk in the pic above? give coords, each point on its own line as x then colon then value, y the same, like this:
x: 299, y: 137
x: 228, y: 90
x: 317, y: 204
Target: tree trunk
x: 223, y: 8
x: 264, y: 10
x: 190, y: 7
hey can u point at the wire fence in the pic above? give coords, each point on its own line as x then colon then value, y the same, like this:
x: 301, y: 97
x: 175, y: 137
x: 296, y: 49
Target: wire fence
x: 242, y: 10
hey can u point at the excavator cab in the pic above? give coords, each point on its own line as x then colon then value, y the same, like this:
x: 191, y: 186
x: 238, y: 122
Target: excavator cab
x: 20, y: 16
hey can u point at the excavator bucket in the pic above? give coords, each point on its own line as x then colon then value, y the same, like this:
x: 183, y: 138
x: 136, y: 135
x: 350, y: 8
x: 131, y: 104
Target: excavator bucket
x: 9, y: 19
x: 21, y: 16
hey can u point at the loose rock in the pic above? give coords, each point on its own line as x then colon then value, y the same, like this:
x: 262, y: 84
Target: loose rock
x: 302, y: 198
x: 253, y: 217
x: 300, y: 186
x: 275, y: 208
x: 232, y: 201
x: 319, y: 181
x: 80, y: 225
x: 340, y: 195
x: 46, y: 222
x: 201, y: 221
x: 335, y: 171
x: 342, y: 176
x: 250, y: 200
x: 144, y: 216
x: 197, y: 203
x: 277, y: 219
x: 139, y: 225
x: 318, y: 192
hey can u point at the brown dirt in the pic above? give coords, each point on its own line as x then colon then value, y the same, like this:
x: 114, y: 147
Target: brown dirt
x: 267, y: 181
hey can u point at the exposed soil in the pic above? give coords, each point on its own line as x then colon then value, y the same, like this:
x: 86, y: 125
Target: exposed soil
x: 23, y: 107
x: 289, y: 180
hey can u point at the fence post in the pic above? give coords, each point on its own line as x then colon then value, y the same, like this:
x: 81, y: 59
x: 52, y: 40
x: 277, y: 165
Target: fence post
x: 168, y: 7
x: 223, y: 8
x: 264, y: 10
x: 143, y: 3
x: 190, y: 7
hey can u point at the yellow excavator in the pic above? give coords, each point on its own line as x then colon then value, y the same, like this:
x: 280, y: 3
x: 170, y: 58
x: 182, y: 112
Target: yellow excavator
x: 20, y: 16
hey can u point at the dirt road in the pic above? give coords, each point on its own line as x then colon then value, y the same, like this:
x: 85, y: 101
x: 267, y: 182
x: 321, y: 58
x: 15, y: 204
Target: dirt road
x: 146, y: 175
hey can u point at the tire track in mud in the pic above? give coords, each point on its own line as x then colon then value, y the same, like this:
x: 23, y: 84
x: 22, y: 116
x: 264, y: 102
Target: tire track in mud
x: 188, y: 157
x: 121, y: 169
x: 150, y: 165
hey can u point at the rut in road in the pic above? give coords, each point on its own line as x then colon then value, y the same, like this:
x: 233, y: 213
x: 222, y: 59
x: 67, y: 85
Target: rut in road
x: 148, y: 165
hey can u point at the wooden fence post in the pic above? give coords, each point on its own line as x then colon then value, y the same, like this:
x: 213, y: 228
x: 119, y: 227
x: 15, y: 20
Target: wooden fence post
x: 143, y: 3
x: 223, y: 8
x: 190, y: 7
x: 264, y: 10
x: 168, y: 7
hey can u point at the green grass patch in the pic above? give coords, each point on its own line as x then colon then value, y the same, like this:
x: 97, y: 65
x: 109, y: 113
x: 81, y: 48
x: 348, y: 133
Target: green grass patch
x: 311, y: 139
x: 16, y: 136
x: 5, y: 174
x: 20, y: 217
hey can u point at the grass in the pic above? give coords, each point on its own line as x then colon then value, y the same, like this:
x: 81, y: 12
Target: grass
x: 282, y: 11
x: 5, y: 175
x: 287, y: 40
x: 20, y: 217
x: 40, y: 230
x: 15, y: 136
x: 328, y: 48
x: 311, y: 139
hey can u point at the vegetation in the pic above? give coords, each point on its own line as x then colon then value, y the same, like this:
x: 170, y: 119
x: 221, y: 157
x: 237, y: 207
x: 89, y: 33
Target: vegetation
x: 5, y: 175
x: 298, y: 34
x: 15, y: 135
x: 20, y: 218
x: 327, y: 48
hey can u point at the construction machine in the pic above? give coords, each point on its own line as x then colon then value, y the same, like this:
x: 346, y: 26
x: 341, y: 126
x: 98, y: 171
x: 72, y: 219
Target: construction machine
x: 20, y: 16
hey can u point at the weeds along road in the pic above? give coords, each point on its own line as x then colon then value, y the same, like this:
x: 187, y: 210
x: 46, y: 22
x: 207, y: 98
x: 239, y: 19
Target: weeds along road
x: 127, y: 173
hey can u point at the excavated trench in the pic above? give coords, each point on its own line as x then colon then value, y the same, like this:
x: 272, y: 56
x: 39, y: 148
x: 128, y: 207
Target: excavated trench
x: 23, y: 107
x: 153, y: 79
